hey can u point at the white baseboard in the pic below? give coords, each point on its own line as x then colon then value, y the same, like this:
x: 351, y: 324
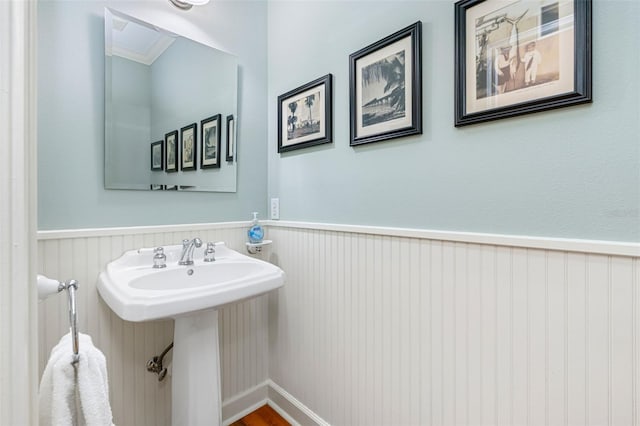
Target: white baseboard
x: 240, y: 405
x: 268, y: 392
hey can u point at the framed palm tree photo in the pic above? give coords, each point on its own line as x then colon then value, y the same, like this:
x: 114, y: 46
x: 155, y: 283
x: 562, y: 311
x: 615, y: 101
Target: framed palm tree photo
x: 305, y: 115
x: 385, y: 87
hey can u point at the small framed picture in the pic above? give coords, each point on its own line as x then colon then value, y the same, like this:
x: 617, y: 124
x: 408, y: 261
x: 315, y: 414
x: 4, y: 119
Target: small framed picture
x: 154, y: 187
x: 514, y: 58
x: 171, y: 187
x: 305, y: 115
x: 231, y: 138
x: 157, y: 154
x: 171, y: 152
x: 188, y: 147
x: 210, y: 151
x: 385, y: 88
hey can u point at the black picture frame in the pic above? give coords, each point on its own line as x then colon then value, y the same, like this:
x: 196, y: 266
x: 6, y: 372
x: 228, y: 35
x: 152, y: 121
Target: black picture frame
x: 189, y: 147
x: 510, y: 58
x: 317, y: 97
x: 157, y: 156
x: 211, y: 142
x: 171, y: 153
x: 380, y: 112
x: 231, y: 138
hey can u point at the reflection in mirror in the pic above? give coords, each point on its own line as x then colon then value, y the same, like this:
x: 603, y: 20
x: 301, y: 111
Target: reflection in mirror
x: 164, y: 96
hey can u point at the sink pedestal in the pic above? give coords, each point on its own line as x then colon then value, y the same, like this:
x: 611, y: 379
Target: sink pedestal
x: 195, y: 388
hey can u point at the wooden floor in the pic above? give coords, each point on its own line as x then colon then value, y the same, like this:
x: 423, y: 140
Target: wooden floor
x: 263, y: 416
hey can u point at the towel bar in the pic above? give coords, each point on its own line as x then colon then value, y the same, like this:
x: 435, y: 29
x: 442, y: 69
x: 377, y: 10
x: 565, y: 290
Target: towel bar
x: 47, y: 287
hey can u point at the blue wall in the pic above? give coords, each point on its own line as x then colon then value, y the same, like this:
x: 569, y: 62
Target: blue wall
x: 573, y: 172
x: 71, y: 190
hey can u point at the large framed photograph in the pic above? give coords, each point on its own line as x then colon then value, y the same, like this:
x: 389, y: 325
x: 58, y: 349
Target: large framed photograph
x: 385, y: 88
x: 171, y: 152
x: 516, y: 57
x: 157, y: 154
x: 188, y: 147
x: 231, y: 138
x: 305, y: 115
x: 210, y: 152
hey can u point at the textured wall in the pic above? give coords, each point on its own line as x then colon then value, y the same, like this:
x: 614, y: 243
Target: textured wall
x: 383, y: 330
x: 137, y: 398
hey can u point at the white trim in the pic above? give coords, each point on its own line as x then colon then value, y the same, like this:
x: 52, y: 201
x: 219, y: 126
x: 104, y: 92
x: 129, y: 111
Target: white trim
x: 136, y: 230
x: 235, y: 417
x: 238, y: 406
x: 613, y: 248
x: 282, y: 413
x: 244, y: 403
x: 18, y: 207
x: 311, y: 417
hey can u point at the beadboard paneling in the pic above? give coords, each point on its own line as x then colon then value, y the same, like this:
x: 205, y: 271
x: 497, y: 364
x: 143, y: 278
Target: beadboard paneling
x: 137, y: 398
x: 380, y: 330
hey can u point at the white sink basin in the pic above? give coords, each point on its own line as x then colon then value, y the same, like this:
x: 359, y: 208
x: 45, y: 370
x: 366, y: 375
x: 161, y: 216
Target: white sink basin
x: 136, y: 291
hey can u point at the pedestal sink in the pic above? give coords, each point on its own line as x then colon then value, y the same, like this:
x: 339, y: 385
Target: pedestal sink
x: 190, y: 294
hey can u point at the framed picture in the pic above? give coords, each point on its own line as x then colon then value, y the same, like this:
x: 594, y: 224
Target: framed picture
x: 231, y: 138
x: 305, y: 115
x: 518, y: 57
x: 171, y: 187
x: 171, y: 152
x: 385, y: 88
x: 157, y: 154
x: 155, y: 187
x: 188, y: 147
x: 210, y: 152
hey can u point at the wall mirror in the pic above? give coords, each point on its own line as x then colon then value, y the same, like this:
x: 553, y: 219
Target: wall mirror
x: 170, y: 110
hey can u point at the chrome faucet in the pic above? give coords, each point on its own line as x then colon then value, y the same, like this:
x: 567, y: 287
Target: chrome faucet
x: 186, y: 258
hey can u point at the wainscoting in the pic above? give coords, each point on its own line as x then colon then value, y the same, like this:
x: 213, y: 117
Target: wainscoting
x: 137, y: 398
x: 386, y: 327
x: 376, y: 328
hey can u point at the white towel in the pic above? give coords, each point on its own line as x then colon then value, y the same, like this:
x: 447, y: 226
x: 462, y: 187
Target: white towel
x: 75, y: 395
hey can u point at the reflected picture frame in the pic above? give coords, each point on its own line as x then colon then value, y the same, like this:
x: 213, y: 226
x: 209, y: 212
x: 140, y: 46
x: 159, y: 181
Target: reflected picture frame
x: 157, y: 156
x: 210, y: 142
x: 385, y: 88
x: 514, y: 58
x: 231, y: 138
x: 171, y: 153
x: 305, y: 115
x: 189, y: 147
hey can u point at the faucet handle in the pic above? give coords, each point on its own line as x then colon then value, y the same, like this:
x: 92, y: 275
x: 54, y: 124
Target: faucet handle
x: 159, y: 258
x: 185, y: 243
x: 209, y: 253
